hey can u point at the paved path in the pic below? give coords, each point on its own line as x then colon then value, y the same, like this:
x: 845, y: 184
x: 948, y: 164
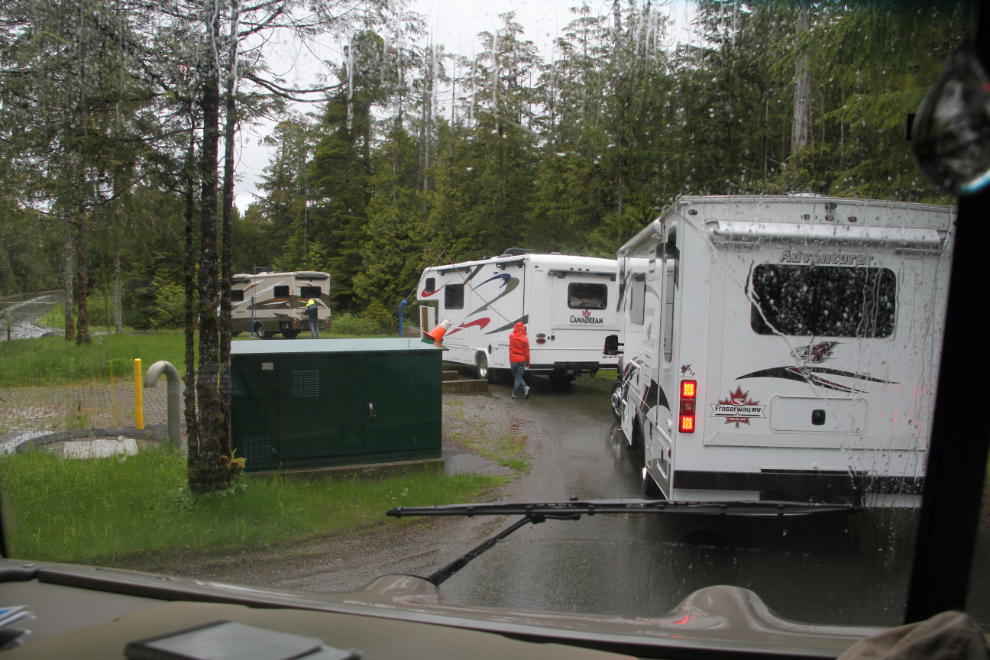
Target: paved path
x: 22, y: 317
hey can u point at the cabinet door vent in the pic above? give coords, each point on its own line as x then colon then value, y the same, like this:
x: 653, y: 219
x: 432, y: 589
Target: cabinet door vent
x: 305, y: 383
x: 258, y: 449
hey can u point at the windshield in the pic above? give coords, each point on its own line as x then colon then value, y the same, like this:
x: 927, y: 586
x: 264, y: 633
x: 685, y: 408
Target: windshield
x: 720, y: 193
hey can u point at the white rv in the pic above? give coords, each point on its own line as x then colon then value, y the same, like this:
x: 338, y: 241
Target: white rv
x: 783, y: 348
x: 566, y: 302
x: 272, y: 303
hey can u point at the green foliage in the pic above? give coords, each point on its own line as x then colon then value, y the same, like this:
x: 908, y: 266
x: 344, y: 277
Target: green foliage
x: 348, y: 323
x: 170, y: 302
x: 106, y: 511
x: 54, y: 360
x: 382, y: 317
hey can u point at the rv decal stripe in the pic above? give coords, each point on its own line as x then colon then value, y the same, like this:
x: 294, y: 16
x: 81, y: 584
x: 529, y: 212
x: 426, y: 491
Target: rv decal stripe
x: 849, y: 374
x: 794, y: 373
x: 481, y: 323
x: 522, y: 319
x: 427, y: 295
x: 655, y: 396
x: 505, y: 277
x: 510, y: 286
x: 808, y: 375
x: 473, y: 273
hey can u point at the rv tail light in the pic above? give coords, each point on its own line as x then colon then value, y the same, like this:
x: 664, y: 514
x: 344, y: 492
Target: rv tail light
x: 689, y: 390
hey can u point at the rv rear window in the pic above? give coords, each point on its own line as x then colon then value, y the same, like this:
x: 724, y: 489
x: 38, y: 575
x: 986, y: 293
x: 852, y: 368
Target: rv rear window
x: 431, y: 285
x: 281, y: 292
x: 453, y: 297
x: 823, y: 301
x: 581, y: 295
x: 309, y: 292
x: 237, y: 295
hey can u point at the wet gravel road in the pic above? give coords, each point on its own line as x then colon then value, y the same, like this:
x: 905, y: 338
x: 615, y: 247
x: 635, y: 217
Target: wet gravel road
x: 22, y: 317
x: 839, y: 570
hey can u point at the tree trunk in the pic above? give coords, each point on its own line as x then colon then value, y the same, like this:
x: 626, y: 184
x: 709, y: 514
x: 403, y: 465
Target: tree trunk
x: 206, y: 471
x: 802, y: 86
x: 189, y: 275
x: 118, y: 311
x: 82, y: 314
x: 226, y: 246
x: 70, y: 321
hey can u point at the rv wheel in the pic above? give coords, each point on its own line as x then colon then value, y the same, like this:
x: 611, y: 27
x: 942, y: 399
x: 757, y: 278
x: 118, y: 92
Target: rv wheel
x: 636, y: 443
x: 482, y: 367
x: 617, y: 400
x: 260, y: 331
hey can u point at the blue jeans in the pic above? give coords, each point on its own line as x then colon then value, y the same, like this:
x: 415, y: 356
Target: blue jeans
x: 518, y: 369
x: 314, y: 329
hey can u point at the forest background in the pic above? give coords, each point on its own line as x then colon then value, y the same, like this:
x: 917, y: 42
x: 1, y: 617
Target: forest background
x: 111, y: 113
x: 421, y: 151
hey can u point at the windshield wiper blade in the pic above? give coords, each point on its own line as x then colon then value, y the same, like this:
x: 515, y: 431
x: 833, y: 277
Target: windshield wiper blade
x: 537, y: 512
x: 574, y: 509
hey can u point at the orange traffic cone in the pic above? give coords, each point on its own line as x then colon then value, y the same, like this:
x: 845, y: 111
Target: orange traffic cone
x: 435, y: 335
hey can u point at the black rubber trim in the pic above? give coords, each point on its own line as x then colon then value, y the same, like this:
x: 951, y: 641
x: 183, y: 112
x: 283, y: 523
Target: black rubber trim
x: 957, y: 454
x: 798, y: 482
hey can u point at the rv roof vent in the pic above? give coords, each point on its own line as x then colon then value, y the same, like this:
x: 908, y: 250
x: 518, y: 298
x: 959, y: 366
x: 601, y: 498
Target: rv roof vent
x: 555, y: 253
x: 515, y: 252
x: 262, y: 269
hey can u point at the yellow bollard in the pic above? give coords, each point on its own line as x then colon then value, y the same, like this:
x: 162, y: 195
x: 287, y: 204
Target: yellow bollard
x: 138, y: 398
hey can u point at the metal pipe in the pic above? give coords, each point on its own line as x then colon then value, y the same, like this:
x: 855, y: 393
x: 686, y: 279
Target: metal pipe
x: 402, y: 309
x: 138, y: 396
x: 174, y: 395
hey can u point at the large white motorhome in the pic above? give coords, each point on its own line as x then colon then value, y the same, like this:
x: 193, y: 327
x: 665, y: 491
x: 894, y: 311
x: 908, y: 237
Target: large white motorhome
x: 566, y: 302
x: 783, y: 348
x: 272, y: 303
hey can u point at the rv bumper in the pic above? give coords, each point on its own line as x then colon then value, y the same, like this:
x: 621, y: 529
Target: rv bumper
x: 798, y: 485
x: 572, y: 368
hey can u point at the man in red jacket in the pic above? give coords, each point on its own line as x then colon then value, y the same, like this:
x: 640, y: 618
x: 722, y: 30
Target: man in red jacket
x: 519, y: 358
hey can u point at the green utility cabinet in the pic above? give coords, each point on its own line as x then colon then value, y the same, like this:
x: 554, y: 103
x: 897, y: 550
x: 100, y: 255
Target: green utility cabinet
x: 309, y: 403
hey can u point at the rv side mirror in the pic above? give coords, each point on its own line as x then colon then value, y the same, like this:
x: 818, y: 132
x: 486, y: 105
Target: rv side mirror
x: 612, y: 345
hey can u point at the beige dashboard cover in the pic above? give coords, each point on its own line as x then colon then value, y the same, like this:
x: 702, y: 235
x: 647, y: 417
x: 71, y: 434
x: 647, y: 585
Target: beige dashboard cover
x: 945, y: 636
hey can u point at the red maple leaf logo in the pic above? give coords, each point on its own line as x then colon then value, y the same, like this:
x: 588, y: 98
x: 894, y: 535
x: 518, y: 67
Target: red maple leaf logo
x: 739, y: 397
x: 585, y: 313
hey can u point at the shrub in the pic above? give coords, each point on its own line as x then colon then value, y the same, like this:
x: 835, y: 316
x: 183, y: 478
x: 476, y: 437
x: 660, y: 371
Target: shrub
x: 387, y: 321
x: 170, y: 301
x: 347, y: 323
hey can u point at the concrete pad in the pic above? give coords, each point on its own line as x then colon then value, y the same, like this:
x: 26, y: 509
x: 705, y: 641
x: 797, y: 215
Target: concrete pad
x: 100, y: 448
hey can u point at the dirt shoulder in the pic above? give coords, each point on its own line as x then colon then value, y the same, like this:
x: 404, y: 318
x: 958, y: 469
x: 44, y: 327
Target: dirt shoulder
x: 482, y: 433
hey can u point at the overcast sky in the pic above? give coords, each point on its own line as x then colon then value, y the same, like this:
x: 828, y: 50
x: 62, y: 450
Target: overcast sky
x: 455, y: 24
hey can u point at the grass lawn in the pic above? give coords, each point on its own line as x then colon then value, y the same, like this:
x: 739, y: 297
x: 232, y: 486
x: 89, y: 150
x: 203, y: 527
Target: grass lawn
x: 110, y: 511
x: 47, y: 360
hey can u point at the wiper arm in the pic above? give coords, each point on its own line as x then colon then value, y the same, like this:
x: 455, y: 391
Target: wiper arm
x: 574, y: 509
x: 537, y: 512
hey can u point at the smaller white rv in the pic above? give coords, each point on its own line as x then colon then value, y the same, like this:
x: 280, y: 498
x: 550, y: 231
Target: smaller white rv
x: 272, y: 303
x: 783, y: 348
x: 567, y: 303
